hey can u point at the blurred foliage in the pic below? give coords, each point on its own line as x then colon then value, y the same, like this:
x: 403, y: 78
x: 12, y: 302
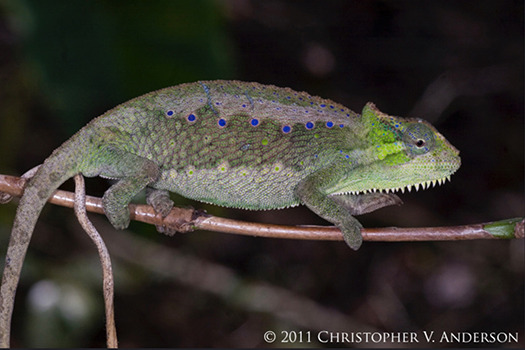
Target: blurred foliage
x: 87, y: 55
x: 460, y: 66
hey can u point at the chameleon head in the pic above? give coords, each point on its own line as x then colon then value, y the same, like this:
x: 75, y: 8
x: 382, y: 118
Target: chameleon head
x: 402, y: 153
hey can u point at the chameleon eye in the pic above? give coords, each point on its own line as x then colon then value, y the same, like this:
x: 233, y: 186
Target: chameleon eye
x: 419, y: 138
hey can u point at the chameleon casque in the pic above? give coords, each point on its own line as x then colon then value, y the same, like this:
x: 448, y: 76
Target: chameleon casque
x: 242, y: 145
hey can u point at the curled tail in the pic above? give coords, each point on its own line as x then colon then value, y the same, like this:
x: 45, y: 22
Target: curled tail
x: 59, y: 167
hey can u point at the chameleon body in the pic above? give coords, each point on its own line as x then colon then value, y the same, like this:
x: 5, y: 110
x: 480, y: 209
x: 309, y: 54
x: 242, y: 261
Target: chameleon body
x: 242, y: 145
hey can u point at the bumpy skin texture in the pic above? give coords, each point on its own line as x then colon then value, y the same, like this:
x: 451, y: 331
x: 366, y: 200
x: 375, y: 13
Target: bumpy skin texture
x: 242, y: 145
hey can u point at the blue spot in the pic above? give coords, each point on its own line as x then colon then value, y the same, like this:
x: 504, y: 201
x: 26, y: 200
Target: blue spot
x: 332, y: 107
x: 306, y: 111
x: 288, y: 97
x: 243, y: 105
x: 340, y: 151
x: 170, y: 113
x: 287, y: 129
x: 192, y: 117
x: 347, y: 156
x: 315, y: 155
x: 222, y: 122
x: 341, y: 125
x: 309, y: 125
x: 329, y: 124
x: 311, y: 103
x: 322, y: 105
x: 254, y: 122
x: 348, y: 114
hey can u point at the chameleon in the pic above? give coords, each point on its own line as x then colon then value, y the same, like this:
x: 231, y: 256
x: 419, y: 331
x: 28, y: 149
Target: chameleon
x: 241, y: 145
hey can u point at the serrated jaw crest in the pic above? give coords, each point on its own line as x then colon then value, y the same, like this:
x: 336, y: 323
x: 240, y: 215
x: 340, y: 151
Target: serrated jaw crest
x: 424, y: 185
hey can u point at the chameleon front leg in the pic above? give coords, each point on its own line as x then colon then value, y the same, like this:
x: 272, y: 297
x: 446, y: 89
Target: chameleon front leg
x: 310, y: 192
x: 339, y: 209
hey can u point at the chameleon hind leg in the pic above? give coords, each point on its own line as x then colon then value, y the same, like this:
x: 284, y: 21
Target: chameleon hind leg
x: 133, y: 172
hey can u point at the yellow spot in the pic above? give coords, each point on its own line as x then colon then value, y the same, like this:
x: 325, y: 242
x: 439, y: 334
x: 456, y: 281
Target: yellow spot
x: 223, y: 167
x: 264, y: 142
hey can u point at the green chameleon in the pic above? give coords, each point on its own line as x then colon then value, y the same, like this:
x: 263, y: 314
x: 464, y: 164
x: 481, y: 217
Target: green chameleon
x: 241, y: 145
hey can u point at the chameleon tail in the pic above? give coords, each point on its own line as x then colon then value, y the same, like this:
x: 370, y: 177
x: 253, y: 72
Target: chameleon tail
x: 59, y: 167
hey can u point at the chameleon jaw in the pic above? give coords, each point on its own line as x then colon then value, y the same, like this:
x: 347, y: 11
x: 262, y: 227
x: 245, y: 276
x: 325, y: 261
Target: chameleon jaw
x: 424, y: 185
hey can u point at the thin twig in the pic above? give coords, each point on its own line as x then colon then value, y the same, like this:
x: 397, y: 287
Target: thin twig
x: 105, y: 260
x: 186, y: 220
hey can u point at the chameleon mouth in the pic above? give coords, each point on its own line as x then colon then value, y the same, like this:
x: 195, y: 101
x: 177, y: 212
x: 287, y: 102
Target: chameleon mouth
x: 424, y: 185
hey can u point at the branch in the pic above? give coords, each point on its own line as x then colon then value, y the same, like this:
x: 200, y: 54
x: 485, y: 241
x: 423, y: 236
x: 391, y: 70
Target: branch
x: 187, y: 220
x: 172, y: 264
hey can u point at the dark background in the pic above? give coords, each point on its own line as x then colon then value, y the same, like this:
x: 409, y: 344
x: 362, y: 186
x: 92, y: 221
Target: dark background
x: 458, y: 64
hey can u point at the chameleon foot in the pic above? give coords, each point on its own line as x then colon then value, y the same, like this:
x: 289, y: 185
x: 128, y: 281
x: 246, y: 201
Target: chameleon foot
x: 351, y: 231
x: 161, y: 202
